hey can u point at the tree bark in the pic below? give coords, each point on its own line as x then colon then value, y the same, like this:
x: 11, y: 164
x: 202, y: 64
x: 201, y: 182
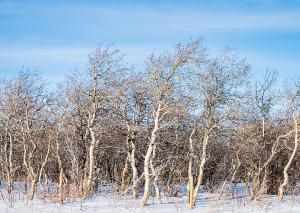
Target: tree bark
x: 133, y: 167
x: 190, y: 170
x: 61, y: 187
x: 194, y: 192
x: 148, y: 157
x: 155, y: 175
x: 33, y: 188
x: 91, y: 162
x: 286, y: 168
x: 124, y: 174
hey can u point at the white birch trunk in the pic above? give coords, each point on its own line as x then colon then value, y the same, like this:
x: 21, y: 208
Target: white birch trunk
x: 286, y: 168
x: 190, y: 170
x: 148, y: 157
x: 201, y: 171
x: 91, y: 162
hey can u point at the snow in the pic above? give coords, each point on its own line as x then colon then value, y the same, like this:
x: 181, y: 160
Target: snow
x: 108, y: 201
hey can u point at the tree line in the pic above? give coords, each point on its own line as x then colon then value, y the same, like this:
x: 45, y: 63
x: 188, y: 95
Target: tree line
x: 184, y: 118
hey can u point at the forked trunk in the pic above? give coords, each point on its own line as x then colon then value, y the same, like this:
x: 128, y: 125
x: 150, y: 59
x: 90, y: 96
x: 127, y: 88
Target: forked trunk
x: 194, y: 192
x: 148, y: 157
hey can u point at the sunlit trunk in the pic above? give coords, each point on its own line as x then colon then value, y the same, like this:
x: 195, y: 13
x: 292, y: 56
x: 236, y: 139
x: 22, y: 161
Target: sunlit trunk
x: 286, y: 168
x: 148, y: 157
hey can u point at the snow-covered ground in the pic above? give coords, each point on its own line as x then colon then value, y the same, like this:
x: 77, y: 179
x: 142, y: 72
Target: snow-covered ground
x: 108, y: 201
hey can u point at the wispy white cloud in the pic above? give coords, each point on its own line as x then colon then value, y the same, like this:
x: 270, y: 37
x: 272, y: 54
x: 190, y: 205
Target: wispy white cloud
x: 49, y: 54
x: 149, y: 20
x: 45, y: 34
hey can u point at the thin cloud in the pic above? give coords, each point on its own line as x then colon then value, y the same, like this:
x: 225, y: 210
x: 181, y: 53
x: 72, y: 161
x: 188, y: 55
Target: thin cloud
x: 70, y: 30
x: 148, y: 20
x: 50, y: 54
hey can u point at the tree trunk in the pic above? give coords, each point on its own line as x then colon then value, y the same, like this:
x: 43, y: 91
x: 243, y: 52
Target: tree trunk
x: 61, y: 187
x: 133, y: 168
x: 155, y: 175
x: 235, y: 170
x: 286, y: 168
x: 91, y: 162
x: 43, y: 164
x: 190, y: 170
x: 33, y: 187
x: 195, y: 190
x: 91, y: 120
x: 123, y: 178
x: 148, y: 157
x: 8, y: 152
x: 10, y: 184
x: 147, y: 176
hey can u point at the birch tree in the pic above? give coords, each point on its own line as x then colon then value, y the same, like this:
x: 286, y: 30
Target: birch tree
x: 32, y: 114
x: 132, y: 108
x: 217, y: 97
x: 293, y: 110
x: 164, y: 71
x: 103, y: 63
x: 9, y: 145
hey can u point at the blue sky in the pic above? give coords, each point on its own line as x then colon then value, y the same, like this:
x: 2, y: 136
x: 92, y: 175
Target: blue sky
x: 57, y: 36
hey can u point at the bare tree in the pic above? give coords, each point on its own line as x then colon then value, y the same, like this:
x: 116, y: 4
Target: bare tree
x: 218, y: 88
x: 163, y: 72
x: 184, y: 118
x: 30, y: 98
x: 103, y: 63
x: 294, y: 111
x: 132, y: 108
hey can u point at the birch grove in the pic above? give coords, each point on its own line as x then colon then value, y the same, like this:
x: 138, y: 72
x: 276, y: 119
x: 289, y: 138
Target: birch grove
x: 184, y: 122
